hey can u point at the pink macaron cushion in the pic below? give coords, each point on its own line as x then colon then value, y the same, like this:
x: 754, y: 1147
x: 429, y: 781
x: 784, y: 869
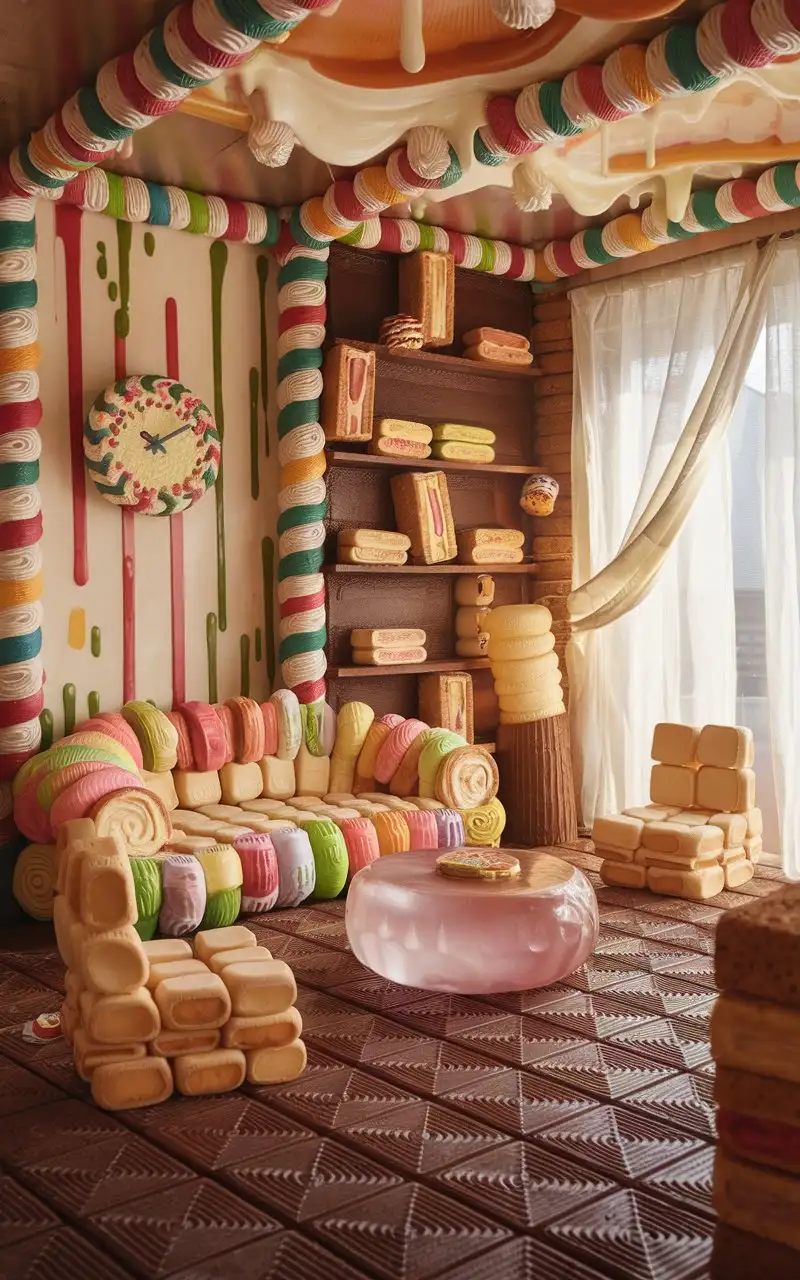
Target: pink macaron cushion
x: 206, y: 734
x: 422, y: 829
x: 84, y: 794
x: 361, y: 842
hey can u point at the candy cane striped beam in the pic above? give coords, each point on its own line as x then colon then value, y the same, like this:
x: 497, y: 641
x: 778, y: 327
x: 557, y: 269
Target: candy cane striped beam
x: 21, y: 673
x: 685, y: 59
x: 195, y: 44
x: 301, y: 487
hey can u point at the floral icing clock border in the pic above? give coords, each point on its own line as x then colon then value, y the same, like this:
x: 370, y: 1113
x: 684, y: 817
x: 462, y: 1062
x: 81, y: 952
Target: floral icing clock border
x: 151, y: 445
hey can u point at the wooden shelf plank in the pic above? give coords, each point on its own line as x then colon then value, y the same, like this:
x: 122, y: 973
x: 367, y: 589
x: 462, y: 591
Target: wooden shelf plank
x: 409, y: 570
x: 409, y: 669
x: 344, y: 458
x: 432, y: 358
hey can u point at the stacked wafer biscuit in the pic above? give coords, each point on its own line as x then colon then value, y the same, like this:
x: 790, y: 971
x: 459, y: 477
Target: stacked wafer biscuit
x: 458, y: 442
x: 490, y: 546
x: 388, y: 646
x: 497, y: 346
x: 701, y: 833
x: 426, y: 290
x: 145, y: 1018
x: 398, y: 438
x: 474, y: 598
x: 527, y: 679
x: 755, y: 1042
x: 372, y: 546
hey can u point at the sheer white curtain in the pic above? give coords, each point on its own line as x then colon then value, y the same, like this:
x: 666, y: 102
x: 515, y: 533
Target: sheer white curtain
x: 782, y: 544
x: 643, y: 349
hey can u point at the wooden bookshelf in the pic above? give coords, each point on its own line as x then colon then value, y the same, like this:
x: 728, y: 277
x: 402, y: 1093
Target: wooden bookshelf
x: 353, y: 458
x: 408, y: 669
x: 417, y: 570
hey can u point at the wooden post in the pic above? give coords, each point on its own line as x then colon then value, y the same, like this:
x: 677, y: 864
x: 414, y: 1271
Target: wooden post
x: 536, y: 786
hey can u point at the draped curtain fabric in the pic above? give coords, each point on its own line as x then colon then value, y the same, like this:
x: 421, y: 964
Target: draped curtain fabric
x: 659, y: 362
x: 782, y: 544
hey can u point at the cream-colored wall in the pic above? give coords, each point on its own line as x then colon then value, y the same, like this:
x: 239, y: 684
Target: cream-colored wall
x: 180, y: 267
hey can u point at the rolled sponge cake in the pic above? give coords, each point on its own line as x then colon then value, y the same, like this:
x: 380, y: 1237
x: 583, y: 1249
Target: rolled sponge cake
x: 758, y: 948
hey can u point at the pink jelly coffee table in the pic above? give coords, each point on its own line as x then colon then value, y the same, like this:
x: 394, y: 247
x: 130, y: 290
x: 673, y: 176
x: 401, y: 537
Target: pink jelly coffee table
x: 417, y: 927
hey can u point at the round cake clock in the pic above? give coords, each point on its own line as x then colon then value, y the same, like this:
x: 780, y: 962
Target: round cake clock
x: 151, y: 445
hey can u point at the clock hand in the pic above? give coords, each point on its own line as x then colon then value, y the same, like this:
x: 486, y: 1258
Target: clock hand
x: 156, y: 443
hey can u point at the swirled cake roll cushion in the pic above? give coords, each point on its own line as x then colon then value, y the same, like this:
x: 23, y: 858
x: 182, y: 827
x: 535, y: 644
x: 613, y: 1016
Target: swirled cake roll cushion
x: 146, y: 874
x: 466, y: 778
x: 422, y: 830
x: 34, y: 880
x: 361, y: 841
x: 439, y: 743
x: 137, y: 816
x: 290, y: 723
x: 485, y: 824
x: 114, y: 724
x: 259, y: 872
x: 393, y: 749
x: 352, y: 726
x: 163, y: 786
x: 330, y: 858
x: 449, y: 829
x: 157, y: 737
x: 392, y: 832
x: 183, y: 902
x: 296, y: 866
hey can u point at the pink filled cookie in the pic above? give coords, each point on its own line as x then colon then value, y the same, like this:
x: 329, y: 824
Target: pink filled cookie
x: 395, y: 747
x: 184, y: 751
x: 84, y: 794
x: 361, y: 842
x: 115, y: 724
x: 270, y: 718
x: 248, y: 729
x: 207, y: 736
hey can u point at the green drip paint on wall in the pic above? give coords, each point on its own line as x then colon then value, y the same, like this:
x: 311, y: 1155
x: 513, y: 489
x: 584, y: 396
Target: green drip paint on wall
x: 268, y: 570
x: 46, y: 721
x: 149, y: 243
x: 68, y: 696
x: 257, y: 645
x: 112, y: 290
x: 219, y: 261
x: 152, y: 703
x: 122, y: 316
x: 95, y: 642
x: 102, y: 260
x: 254, y: 486
x: 211, y: 652
x: 262, y: 269
x: 94, y: 703
x: 244, y: 654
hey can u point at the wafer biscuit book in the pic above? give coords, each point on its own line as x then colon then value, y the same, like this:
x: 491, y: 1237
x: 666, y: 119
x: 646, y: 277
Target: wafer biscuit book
x: 347, y: 393
x: 427, y: 291
x: 446, y: 701
x: 422, y: 509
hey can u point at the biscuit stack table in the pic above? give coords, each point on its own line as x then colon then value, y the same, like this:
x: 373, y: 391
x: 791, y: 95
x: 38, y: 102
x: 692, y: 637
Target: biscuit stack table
x: 755, y: 1041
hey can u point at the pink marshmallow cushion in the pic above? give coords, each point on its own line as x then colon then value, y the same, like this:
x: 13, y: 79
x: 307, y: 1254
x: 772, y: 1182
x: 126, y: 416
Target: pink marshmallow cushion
x: 84, y: 794
x: 207, y: 736
x: 423, y: 830
x: 395, y: 747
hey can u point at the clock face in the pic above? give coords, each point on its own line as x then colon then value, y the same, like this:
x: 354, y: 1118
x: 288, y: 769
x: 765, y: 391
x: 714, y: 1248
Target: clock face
x: 151, y: 445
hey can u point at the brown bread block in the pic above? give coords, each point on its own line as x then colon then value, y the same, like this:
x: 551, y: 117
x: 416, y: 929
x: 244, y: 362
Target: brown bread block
x: 673, y: 785
x: 89, y: 1056
x: 726, y: 747
x: 171, y: 1044
x: 757, y: 1200
x: 174, y: 969
x: 625, y: 874
x: 495, y: 353
x: 276, y: 1066
x: 563, y: 474
x: 422, y: 509
x: 753, y: 847
x: 222, y: 959
x: 426, y: 289
x: 551, y: 587
x: 558, y: 308
x: 193, y: 1002
x: 726, y: 790
x: 446, y: 701
x: 685, y: 841
x: 559, y: 526
x: 107, y: 897
x: 755, y: 822
x: 651, y: 812
x: 559, y: 572
x: 127, y: 1019
x: 200, y: 1074
x: 552, y: 446
x: 123, y: 1086
x: 674, y: 861
x: 663, y: 836
x: 268, y: 1031
x: 760, y: 1097
x: 692, y: 817
x: 210, y: 941
x: 618, y: 830
x: 162, y: 950
x: 550, y: 405
x: 541, y: 347
x: 553, y: 424
x: 263, y: 987
x: 695, y: 886
x: 615, y: 852
x: 374, y: 539
x: 194, y: 789
x: 556, y: 464
x: 348, y: 393
x: 758, y: 948
x: 738, y: 872
x: 551, y: 330
x: 756, y: 1035
x: 554, y: 361
x: 553, y: 384
x: 500, y: 337
x: 740, y: 1255
x: 113, y: 962
x: 733, y: 827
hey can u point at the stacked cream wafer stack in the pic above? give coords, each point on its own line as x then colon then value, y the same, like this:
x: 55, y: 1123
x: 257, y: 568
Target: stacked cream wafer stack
x: 755, y: 1043
x: 396, y: 438
x: 372, y: 546
x: 457, y: 442
x: 474, y: 597
x: 388, y: 646
x: 497, y: 346
x: 527, y: 679
x: 490, y: 546
x: 701, y: 832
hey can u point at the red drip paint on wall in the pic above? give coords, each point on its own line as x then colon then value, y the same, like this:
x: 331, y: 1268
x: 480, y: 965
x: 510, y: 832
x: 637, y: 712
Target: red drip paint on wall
x: 128, y: 563
x: 177, y: 590
x: 68, y: 230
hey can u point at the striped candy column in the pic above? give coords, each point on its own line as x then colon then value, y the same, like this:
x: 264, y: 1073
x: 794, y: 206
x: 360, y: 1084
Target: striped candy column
x: 403, y: 235
x: 301, y: 496
x: 194, y: 44
x: 21, y: 673
x: 685, y: 59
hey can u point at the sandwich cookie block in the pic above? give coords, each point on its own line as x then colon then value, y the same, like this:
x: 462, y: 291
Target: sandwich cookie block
x: 394, y: 657
x: 427, y: 291
x: 463, y: 433
x: 422, y: 510
x: 495, y: 353
x: 498, y: 337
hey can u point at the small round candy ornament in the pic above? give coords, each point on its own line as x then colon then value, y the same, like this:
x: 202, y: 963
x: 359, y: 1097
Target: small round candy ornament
x: 539, y: 493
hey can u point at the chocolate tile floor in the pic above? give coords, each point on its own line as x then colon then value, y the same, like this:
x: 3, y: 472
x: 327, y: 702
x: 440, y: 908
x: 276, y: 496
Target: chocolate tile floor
x: 558, y: 1134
